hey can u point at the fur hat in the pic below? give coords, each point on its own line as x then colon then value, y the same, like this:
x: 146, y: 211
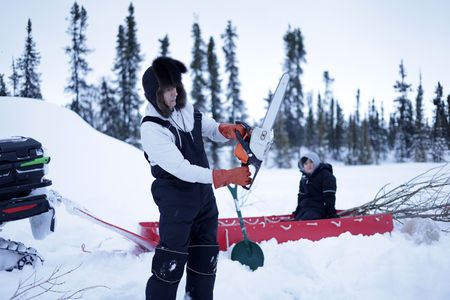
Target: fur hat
x: 163, y: 73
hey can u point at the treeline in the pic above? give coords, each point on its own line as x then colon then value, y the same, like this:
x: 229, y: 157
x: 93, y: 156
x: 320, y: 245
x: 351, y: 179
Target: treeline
x: 306, y: 121
x: 407, y: 135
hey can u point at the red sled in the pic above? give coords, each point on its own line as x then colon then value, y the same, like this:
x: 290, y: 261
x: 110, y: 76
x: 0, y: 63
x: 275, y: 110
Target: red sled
x: 283, y: 228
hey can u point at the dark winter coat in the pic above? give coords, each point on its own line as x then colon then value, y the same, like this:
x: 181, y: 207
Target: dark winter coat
x: 317, y: 194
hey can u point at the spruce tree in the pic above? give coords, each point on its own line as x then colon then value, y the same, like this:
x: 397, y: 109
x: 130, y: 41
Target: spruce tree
x: 358, y: 134
x: 448, y: 108
x: 310, y: 127
x: 328, y: 81
x: 358, y: 102
x: 14, y: 78
x: 79, y: 68
x: 198, y: 66
x: 120, y: 130
x: 375, y: 133
x: 328, y: 105
x: 281, y: 149
x: 404, y: 118
x: 126, y: 67
x: 392, y: 131
x: 292, y: 106
x: 354, y: 135
x: 448, y: 120
x: 164, y: 46
x: 352, y: 145
x: 365, y: 148
x: 27, y: 65
x: 236, y: 106
x: 339, y: 132
x: 133, y: 59
x: 383, y: 136
x: 214, y: 90
x: 3, y: 89
x: 320, y: 127
x: 420, y: 140
x: 213, y: 83
x: 330, y: 126
x: 439, y: 143
x: 109, y: 109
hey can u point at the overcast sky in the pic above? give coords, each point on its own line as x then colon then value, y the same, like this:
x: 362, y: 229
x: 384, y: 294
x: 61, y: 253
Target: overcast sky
x: 360, y: 43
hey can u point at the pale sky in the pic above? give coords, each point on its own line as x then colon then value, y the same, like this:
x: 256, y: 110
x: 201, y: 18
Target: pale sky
x: 360, y: 43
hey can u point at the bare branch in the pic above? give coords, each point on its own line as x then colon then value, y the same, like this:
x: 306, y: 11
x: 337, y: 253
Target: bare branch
x: 426, y: 196
x: 38, y: 287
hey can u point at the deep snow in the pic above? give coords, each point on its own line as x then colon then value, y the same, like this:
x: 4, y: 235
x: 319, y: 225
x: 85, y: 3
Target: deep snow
x: 113, y: 180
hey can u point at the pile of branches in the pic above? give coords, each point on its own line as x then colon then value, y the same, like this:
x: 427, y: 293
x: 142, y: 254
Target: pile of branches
x: 425, y: 196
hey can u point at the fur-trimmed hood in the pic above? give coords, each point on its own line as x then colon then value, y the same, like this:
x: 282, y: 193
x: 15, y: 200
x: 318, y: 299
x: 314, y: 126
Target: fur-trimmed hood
x: 163, y: 73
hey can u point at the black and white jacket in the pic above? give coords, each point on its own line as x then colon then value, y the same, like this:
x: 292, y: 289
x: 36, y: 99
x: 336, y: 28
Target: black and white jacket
x: 159, y: 143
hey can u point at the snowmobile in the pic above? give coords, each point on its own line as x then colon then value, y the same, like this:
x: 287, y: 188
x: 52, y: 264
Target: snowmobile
x: 23, y: 196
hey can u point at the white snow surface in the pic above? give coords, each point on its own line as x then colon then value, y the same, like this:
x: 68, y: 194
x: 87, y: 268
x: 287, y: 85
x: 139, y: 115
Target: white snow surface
x: 112, y: 180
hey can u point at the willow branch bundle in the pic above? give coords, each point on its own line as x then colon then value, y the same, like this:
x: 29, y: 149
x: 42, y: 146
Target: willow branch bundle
x: 425, y: 196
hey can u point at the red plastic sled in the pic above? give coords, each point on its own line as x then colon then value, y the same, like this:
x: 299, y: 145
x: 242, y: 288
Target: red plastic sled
x: 283, y: 228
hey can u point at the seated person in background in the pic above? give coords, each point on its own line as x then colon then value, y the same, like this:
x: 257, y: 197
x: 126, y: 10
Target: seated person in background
x: 317, y: 191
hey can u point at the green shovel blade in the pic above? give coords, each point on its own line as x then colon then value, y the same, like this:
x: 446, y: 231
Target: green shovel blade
x: 248, y: 253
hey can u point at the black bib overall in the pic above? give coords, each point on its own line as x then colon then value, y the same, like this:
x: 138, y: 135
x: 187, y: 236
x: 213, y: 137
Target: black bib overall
x: 187, y: 224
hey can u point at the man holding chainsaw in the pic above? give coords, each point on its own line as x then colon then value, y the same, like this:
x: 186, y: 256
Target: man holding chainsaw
x: 317, y: 190
x: 172, y: 137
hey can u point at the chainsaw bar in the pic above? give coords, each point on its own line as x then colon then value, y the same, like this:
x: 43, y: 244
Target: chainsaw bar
x: 262, y: 137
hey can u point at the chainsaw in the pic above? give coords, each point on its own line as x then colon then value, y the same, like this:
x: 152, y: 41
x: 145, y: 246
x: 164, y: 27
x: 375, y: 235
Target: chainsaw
x: 254, y: 146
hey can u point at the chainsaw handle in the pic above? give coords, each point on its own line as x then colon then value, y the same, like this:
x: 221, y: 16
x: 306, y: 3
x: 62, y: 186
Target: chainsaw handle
x: 247, y: 127
x: 241, y: 151
x: 246, y: 158
x: 244, y: 143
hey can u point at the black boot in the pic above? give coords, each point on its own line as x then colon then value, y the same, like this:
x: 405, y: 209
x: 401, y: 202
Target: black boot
x: 167, y: 269
x: 201, y: 271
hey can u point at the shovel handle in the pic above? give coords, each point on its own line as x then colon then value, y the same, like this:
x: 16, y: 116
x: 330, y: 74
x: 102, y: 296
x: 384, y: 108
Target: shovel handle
x: 233, y: 191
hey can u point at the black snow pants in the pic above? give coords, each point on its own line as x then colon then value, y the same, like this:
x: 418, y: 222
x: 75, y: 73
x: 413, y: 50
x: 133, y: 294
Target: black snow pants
x: 187, y: 226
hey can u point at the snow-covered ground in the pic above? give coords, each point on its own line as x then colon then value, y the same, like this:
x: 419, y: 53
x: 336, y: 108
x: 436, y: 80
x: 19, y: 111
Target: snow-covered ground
x: 113, y: 180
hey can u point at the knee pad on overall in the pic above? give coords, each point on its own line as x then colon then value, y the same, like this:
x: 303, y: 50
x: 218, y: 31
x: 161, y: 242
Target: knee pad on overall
x: 203, y: 259
x: 168, y: 265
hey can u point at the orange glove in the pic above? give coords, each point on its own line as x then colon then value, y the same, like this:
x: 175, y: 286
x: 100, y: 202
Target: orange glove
x: 240, y: 176
x: 229, y: 130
